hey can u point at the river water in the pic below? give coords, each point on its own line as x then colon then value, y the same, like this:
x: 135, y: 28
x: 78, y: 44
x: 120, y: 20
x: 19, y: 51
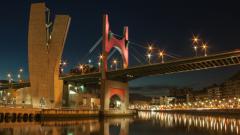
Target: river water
x: 145, y: 123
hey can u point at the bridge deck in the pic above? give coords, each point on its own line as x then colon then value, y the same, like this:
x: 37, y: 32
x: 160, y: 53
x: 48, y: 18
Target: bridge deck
x: 169, y: 67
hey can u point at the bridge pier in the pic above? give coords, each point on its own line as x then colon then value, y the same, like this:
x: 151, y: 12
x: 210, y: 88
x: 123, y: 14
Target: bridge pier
x: 110, y: 88
x: 65, y: 96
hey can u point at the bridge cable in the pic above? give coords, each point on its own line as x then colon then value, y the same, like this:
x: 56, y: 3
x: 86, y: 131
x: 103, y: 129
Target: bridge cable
x: 92, y: 49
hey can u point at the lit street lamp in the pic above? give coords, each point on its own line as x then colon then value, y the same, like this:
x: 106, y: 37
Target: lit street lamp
x: 100, y: 62
x: 100, y: 57
x: 150, y: 48
x: 195, y: 44
x: 149, y: 55
x: 20, y: 75
x: 204, y: 47
x: 115, y: 63
x: 161, y: 54
x: 62, y: 65
x: 20, y: 70
x: 81, y: 68
x: 195, y: 39
x: 89, y: 61
x: 9, y: 77
x: 195, y: 49
x: 99, y: 66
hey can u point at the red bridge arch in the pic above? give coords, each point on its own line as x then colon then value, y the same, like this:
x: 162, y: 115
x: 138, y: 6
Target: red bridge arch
x: 109, y: 42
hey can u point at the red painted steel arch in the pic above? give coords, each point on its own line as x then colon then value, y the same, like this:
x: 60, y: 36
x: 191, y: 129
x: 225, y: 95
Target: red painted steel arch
x: 119, y: 92
x: 109, y: 42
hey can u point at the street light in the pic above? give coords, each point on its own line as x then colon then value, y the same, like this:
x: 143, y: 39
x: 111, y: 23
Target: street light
x: 81, y: 68
x: 195, y: 47
x: 149, y: 55
x: 115, y: 63
x: 64, y: 63
x: 204, y: 47
x: 9, y: 79
x: 89, y: 61
x: 150, y: 48
x: 161, y: 54
x: 100, y: 57
x: 20, y: 75
x: 195, y: 40
x: 20, y: 70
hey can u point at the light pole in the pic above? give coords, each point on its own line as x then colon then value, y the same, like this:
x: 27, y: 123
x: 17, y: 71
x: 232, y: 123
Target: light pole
x: 100, y: 62
x: 62, y: 65
x: 204, y: 47
x: 99, y: 65
x: 150, y: 48
x: 89, y: 61
x: 115, y: 63
x: 161, y: 54
x: 81, y: 68
x: 195, y: 44
x: 9, y: 78
x: 149, y: 55
x: 20, y: 75
x: 195, y: 49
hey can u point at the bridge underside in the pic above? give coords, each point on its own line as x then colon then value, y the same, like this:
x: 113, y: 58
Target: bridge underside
x: 14, y: 86
x: 170, y: 67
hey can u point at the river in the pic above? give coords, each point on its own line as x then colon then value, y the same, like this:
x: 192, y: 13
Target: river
x: 145, y: 123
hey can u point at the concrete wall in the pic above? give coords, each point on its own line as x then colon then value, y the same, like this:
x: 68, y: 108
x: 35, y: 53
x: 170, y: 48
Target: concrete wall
x: 107, y: 87
x: 44, y: 60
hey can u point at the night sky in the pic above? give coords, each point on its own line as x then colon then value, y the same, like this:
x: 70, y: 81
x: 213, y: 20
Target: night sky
x: 168, y: 25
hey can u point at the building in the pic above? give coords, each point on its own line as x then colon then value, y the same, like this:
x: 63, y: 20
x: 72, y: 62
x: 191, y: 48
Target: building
x: 214, y: 92
x: 162, y: 100
x: 231, y: 87
x: 182, y: 95
x: 84, y: 100
x: 201, y: 95
x: 211, y: 92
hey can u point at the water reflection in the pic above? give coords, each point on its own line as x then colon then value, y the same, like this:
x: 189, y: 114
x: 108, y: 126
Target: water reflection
x: 217, y: 125
x: 146, y: 123
x: 77, y: 127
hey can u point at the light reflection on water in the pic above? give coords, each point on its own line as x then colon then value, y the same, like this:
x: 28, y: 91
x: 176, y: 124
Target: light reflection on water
x: 146, y: 123
x: 219, y: 125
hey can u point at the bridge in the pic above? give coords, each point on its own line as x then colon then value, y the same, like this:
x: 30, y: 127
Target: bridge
x: 14, y: 85
x: 173, y: 66
x: 47, y: 81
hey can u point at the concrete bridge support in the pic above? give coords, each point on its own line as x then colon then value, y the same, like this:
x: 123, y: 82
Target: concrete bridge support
x: 65, y: 96
x: 110, y: 88
x: 45, y: 47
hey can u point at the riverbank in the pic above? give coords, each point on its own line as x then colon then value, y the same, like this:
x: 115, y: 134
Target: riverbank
x: 30, y: 114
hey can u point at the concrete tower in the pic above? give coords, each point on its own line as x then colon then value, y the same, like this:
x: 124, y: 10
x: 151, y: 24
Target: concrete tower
x: 45, y: 46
